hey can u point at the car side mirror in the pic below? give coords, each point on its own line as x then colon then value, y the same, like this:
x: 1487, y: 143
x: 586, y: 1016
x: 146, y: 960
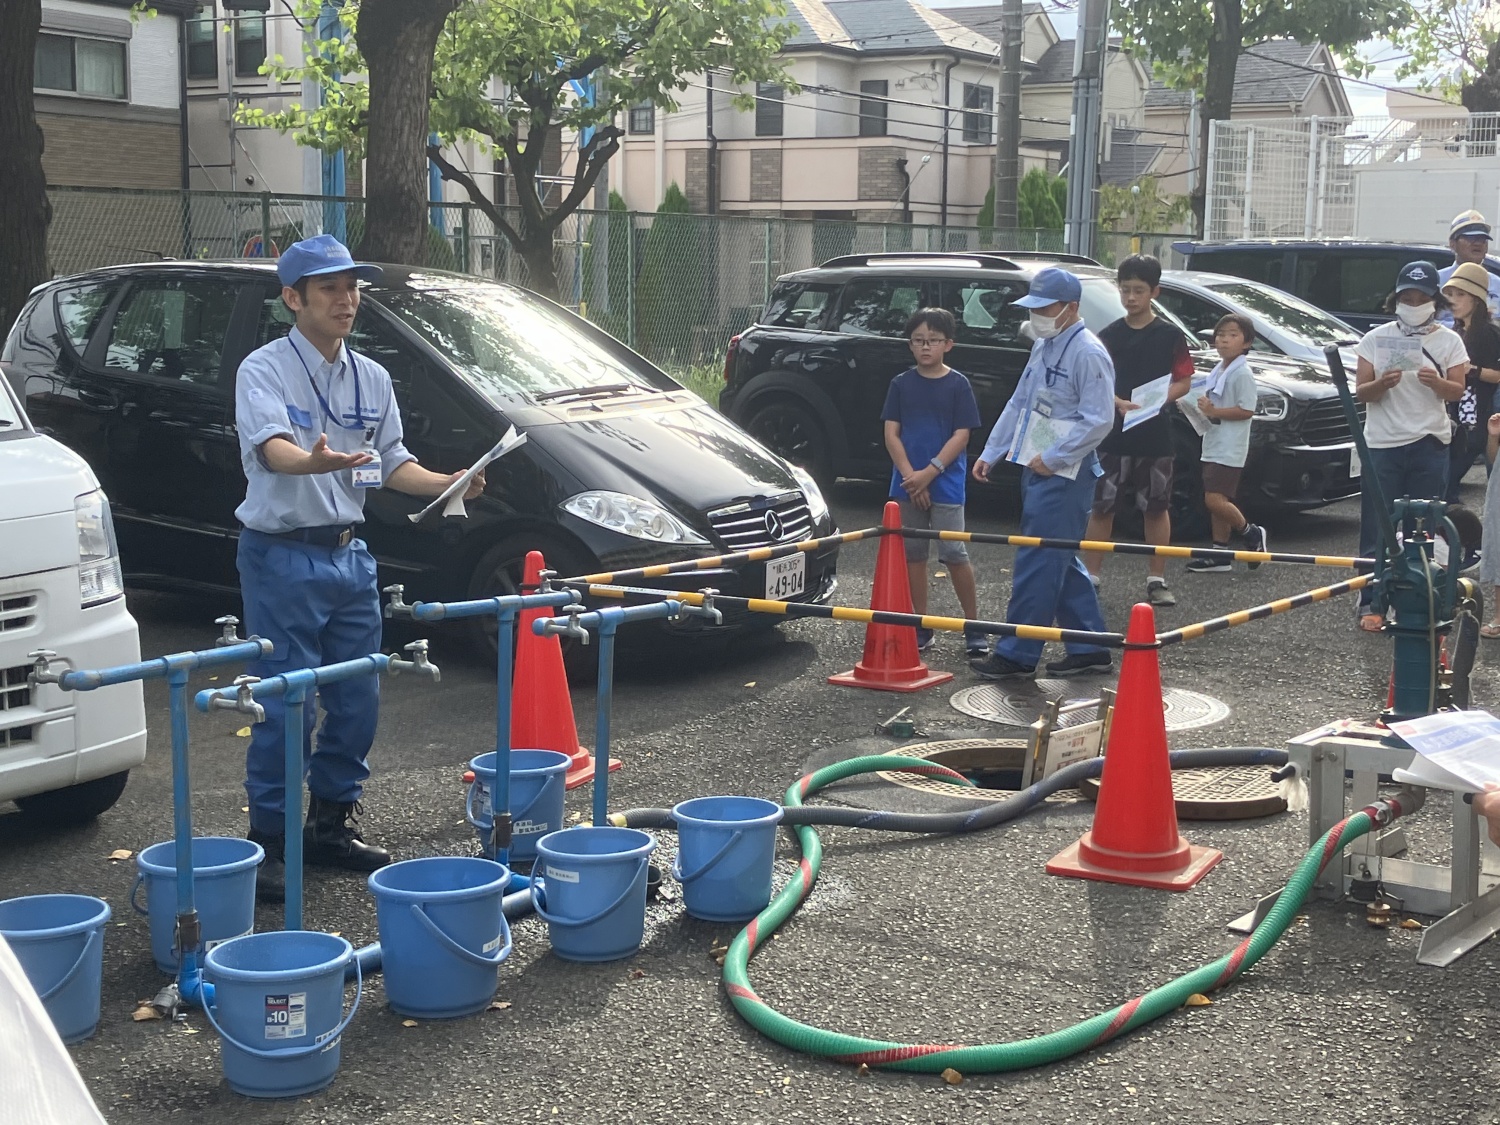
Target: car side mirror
x: 1206, y: 335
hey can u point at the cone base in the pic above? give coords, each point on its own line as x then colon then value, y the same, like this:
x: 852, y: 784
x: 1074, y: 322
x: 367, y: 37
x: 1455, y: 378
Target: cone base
x: 1200, y: 862
x: 582, y: 771
x: 908, y: 679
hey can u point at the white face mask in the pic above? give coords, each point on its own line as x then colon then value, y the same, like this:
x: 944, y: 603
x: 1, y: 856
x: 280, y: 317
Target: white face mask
x: 1414, y: 316
x: 1045, y: 327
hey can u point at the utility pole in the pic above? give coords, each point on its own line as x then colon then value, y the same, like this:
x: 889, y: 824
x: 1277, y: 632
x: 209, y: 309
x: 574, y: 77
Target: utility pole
x: 1008, y: 118
x: 1089, y: 55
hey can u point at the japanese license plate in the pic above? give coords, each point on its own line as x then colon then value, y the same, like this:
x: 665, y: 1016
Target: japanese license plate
x: 786, y: 577
x: 1354, y: 466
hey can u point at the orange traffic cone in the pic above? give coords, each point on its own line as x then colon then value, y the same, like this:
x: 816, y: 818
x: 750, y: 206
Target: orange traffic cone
x: 541, y: 716
x: 890, y: 661
x: 1134, y: 839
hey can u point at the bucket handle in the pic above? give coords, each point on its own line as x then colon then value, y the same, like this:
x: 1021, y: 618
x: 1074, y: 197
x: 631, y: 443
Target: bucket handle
x: 555, y: 920
x: 734, y: 838
x: 475, y: 787
x: 323, y: 1044
x: 459, y: 951
x: 67, y: 978
x: 140, y: 881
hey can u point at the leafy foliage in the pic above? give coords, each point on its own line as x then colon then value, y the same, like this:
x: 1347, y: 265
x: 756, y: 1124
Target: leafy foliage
x: 1141, y: 208
x: 1041, y: 203
x: 1454, y: 38
x: 667, y: 310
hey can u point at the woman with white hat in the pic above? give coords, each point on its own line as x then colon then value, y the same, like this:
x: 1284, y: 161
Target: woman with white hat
x: 1467, y: 290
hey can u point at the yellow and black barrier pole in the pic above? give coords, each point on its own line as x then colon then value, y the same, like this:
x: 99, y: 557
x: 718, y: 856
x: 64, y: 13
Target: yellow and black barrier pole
x: 1134, y: 548
x: 1260, y: 612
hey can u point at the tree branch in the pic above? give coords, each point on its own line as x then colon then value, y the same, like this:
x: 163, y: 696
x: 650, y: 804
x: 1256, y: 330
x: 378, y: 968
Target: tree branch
x: 591, y: 161
x: 476, y: 194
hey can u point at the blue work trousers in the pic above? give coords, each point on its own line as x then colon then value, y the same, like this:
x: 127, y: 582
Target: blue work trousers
x: 317, y: 605
x: 1418, y: 469
x: 1050, y: 585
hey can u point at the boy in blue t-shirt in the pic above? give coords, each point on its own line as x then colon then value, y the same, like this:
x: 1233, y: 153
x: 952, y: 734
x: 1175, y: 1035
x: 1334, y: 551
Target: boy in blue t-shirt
x: 929, y: 411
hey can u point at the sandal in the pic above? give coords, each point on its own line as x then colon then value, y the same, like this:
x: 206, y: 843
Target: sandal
x: 1374, y: 623
x: 1490, y: 630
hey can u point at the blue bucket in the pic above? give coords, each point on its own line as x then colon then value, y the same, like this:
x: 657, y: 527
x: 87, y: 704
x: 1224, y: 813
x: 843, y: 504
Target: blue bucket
x: 223, y: 892
x: 726, y: 847
x: 59, y: 941
x: 595, y: 890
x: 537, y: 787
x: 443, y: 933
x: 277, y: 1001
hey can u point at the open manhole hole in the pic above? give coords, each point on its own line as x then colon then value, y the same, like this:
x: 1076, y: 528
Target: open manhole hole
x: 1022, y: 706
x: 1217, y: 793
x: 992, y: 764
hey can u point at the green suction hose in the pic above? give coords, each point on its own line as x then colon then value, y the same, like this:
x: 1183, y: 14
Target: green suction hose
x: 991, y: 1058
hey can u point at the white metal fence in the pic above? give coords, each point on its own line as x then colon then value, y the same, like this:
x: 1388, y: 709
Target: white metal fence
x: 1337, y: 177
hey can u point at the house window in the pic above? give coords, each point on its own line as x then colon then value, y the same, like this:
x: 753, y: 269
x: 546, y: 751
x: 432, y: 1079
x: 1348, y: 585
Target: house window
x: 643, y: 118
x: 979, y: 106
x: 202, y: 50
x: 769, y: 106
x: 92, y: 68
x: 249, y: 46
x: 871, y: 110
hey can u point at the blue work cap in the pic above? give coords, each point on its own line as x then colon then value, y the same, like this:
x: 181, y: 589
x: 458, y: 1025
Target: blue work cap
x: 1418, y: 275
x: 321, y: 254
x: 1049, y: 287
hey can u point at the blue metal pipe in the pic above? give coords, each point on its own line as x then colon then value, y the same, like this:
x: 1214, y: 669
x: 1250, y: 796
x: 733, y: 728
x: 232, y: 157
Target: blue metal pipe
x: 161, y: 666
x: 442, y: 611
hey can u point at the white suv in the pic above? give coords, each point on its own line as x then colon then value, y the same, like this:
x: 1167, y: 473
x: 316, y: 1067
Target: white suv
x: 64, y: 756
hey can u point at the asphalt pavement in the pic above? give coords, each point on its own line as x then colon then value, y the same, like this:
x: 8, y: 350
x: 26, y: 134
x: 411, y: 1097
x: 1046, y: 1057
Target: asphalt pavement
x: 914, y: 939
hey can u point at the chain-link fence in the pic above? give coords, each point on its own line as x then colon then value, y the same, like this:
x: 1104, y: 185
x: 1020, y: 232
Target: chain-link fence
x: 1340, y: 177
x: 675, y: 287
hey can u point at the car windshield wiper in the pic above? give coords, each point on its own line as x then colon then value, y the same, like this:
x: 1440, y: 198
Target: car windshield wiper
x: 588, y: 392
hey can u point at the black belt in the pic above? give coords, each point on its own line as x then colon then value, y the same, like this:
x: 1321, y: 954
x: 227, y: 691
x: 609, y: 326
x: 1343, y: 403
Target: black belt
x: 319, y: 536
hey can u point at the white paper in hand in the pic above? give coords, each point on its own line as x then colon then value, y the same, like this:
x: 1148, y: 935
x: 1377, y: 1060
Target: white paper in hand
x: 1457, y: 750
x: 452, y: 499
x: 1149, y: 398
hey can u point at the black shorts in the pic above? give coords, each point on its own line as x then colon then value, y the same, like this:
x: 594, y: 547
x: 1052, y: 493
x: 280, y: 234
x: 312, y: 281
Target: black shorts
x: 1147, y: 481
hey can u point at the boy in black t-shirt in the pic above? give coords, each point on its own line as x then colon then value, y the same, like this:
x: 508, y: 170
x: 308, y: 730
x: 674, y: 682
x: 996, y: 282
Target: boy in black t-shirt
x: 1137, y: 460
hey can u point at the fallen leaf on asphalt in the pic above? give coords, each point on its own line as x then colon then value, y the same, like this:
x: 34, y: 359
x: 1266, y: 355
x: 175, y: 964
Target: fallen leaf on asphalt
x: 751, y: 683
x: 1130, y: 1089
x: 787, y: 1081
x: 408, y: 1023
x: 1197, y: 1000
x: 145, y: 1012
x: 191, y: 1030
x: 637, y: 974
x: 243, y: 732
x: 213, y: 679
x: 498, y: 1005
x: 864, y: 1069
x: 1410, y: 924
x: 940, y: 574
x: 952, y: 1077
x: 120, y: 853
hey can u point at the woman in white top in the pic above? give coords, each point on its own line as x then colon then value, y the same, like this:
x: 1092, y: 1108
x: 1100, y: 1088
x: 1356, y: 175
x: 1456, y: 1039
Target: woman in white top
x: 1410, y: 369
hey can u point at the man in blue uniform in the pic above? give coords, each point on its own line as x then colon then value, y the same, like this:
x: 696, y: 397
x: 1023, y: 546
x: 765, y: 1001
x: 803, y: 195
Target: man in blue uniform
x: 318, y: 427
x: 1067, y: 394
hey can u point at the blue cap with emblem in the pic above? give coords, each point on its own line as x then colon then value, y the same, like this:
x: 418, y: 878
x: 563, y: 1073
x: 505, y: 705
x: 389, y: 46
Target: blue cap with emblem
x: 1050, y: 286
x: 1418, y: 275
x: 321, y: 254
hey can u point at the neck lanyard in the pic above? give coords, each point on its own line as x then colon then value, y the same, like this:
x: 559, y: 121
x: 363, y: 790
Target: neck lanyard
x: 1052, y: 372
x: 359, y: 414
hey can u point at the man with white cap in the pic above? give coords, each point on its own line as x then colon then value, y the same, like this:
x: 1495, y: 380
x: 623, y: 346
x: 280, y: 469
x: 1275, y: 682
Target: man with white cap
x: 1469, y: 239
x: 1067, y: 392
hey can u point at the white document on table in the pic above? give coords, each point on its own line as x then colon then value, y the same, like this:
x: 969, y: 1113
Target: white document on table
x: 1149, y: 399
x: 1188, y: 404
x: 1039, y: 433
x: 1456, y: 750
x: 452, y: 498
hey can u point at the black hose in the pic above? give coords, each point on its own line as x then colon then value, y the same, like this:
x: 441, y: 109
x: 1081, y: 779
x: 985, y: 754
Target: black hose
x: 974, y: 820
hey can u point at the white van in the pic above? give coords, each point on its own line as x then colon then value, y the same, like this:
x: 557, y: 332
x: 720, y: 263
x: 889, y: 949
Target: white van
x: 64, y: 756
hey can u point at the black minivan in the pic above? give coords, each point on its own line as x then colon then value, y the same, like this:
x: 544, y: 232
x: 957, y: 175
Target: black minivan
x: 134, y: 368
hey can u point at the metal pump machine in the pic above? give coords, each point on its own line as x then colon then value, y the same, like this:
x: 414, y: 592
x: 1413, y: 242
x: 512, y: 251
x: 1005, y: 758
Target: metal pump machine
x: 1430, y: 604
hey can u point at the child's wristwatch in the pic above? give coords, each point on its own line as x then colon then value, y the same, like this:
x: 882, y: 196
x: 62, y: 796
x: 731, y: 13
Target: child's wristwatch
x: 938, y: 465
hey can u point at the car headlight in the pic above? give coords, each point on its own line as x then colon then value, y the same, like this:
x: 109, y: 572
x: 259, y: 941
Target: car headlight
x: 630, y: 515
x: 1270, y: 404
x: 817, y: 507
x: 99, y: 578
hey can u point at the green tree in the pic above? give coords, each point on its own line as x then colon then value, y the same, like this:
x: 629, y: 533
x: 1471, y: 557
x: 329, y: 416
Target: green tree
x: 629, y: 51
x: 607, y: 280
x: 1196, y: 44
x: 1450, y: 44
x: 671, y: 293
x: 1037, y: 200
x: 1141, y: 207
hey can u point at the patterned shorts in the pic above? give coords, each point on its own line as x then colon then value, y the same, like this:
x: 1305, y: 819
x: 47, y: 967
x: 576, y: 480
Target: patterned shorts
x: 1145, y: 480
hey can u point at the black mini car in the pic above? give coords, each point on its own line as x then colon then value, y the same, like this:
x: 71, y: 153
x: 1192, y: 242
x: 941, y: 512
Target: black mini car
x: 134, y: 367
x: 810, y: 378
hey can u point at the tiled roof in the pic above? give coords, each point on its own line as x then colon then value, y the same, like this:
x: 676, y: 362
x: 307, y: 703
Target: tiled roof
x: 986, y: 18
x: 882, y: 26
x: 1263, y: 77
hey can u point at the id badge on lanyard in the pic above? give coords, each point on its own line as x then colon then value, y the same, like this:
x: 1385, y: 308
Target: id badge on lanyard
x: 368, y: 476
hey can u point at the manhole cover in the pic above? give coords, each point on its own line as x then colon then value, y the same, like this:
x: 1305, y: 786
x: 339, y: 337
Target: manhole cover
x: 993, y: 764
x: 1220, y: 793
x: 1022, y: 706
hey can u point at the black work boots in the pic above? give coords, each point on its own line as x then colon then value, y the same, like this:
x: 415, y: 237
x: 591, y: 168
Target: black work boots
x: 329, y: 839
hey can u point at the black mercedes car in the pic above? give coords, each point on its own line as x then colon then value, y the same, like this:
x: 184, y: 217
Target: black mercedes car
x: 134, y: 367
